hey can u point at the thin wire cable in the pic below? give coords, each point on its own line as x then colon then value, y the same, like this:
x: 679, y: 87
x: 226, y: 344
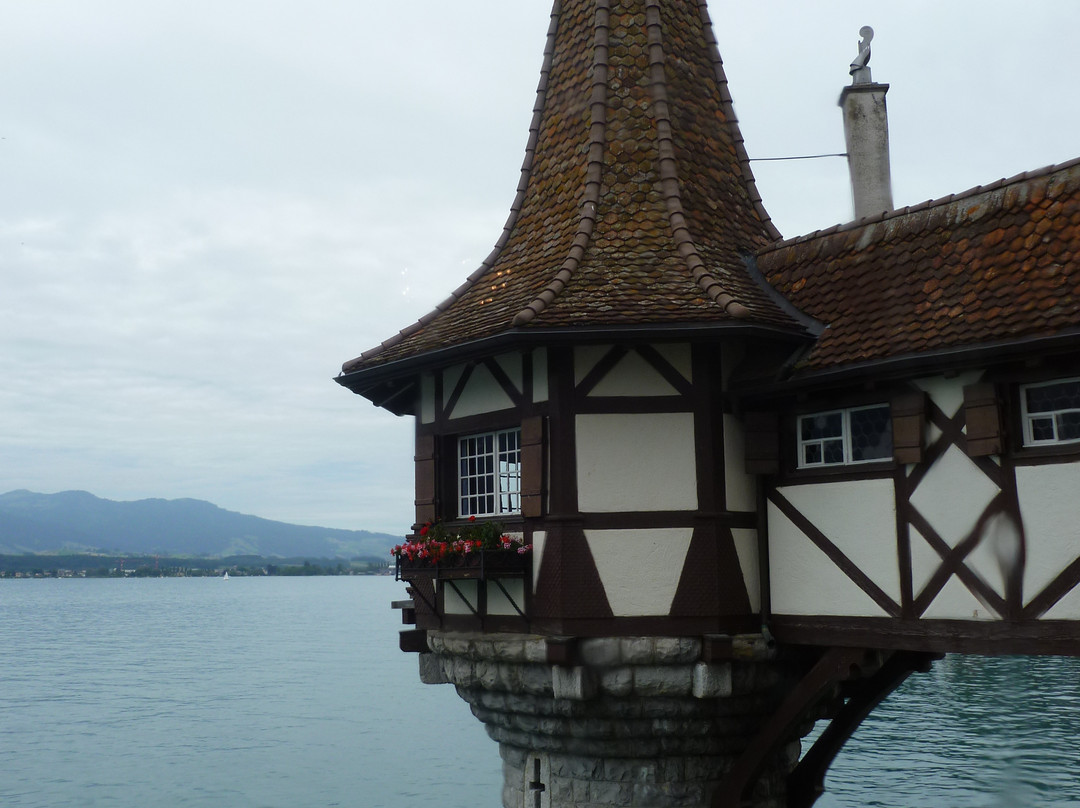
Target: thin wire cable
x: 806, y: 157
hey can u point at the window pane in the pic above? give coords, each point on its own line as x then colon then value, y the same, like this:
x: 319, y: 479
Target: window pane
x: 871, y: 433
x: 1051, y: 397
x: 489, y: 473
x: 1068, y: 424
x: 822, y: 425
x: 1042, y: 429
x: 811, y: 454
x: 834, y: 451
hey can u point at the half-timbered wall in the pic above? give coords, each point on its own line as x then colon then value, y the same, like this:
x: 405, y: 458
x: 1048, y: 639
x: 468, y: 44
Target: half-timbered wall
x: 641, y: 525
x: 982, y: 531
x: 647, y: 533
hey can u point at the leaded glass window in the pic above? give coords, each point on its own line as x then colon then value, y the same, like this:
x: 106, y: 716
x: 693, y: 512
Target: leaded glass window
x: 489, y: 473
x: 840, y: 437
x: 1051, y: 412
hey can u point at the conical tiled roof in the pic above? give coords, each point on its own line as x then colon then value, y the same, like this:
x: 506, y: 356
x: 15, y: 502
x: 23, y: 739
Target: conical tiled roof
x: 636, y: 203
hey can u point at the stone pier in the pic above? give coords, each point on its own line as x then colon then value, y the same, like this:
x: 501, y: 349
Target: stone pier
x: 654, y: 722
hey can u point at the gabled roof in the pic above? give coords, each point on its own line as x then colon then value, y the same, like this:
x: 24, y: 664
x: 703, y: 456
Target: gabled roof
x: 636, y: 204
x: 992, y: 265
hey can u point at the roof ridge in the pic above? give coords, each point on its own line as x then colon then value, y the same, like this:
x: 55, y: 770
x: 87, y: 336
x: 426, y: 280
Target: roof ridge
x: 515, y: 206
x: 593, y: 170
x: 1024, y: 176
x: 669, y: 176
x: 729, y: 113
x: 636, y: 197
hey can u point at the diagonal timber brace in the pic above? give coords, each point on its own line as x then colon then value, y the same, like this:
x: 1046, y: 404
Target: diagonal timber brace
x: 865, y: 676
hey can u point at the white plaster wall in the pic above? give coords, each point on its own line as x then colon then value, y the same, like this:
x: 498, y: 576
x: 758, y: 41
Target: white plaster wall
x: 1068, y: 608
x: 957, y: 602
x: 1050, y: 508
x: 948, y: 394
x: 805, y: 581
x: 924, y: 561
x: 585, y: 359
x: 640, y: 569
x: 633, y: 376
x: 636, y: 462
x: 539, y: 539
x: 953, y: 495
x: 452, y: 602
x: 497, y: 602
x: 511, y: 364
x: 997, y: 550
x: 427, y: 398
x: 481, y: 394
x: 741, y: 487
x: 678, y: 355
x: 750, y: 562
x: 859, y: 517
x: 540, y: 374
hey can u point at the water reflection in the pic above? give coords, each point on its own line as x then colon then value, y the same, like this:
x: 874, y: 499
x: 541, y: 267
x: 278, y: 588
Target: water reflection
x: 991, y: 732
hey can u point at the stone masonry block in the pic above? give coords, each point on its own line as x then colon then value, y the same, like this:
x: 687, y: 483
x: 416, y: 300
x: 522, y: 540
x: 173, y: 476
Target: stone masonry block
x: 536, y: 679
x: 561, y: 790
x: 431, y: 670
x: 462, y: 672
x: 663, y: 680
x: 605, y: 793
x: 630, y: 770
x: 576, y: 683
x: 509, y: 650
x: 668, y: 795
x: 712, y: 680
x: 535, y: 650
x: 512, y: 797
x: 577, y: 768
x: 638, y: 650
x: 617, y: 681
x: 600, y: 651
x: 513, y: 755
x: 677, y: 650
x: 487, y: 673
x: 707, y: 768
x: 581, y: 792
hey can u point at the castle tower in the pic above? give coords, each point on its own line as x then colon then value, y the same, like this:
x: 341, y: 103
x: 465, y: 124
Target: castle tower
x: 696, y: 439
x: 573, y: 390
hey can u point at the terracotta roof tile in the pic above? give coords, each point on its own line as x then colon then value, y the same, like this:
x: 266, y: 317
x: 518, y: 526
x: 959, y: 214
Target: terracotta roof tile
x: 995, y: 263
x: 637, y: 201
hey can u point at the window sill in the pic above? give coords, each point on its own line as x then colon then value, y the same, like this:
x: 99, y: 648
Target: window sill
x: 1047, y: 453
x: 831, y: 474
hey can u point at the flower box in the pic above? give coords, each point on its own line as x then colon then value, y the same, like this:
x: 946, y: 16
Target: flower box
x: 478, y: 565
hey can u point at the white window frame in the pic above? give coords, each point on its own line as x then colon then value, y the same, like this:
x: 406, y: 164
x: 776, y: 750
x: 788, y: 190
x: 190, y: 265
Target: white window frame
x: 502, y: 482
x: 845, y: 437
x: 1029, y: 418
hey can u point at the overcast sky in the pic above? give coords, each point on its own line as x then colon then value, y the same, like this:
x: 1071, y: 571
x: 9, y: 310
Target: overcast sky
x: 206, y: 206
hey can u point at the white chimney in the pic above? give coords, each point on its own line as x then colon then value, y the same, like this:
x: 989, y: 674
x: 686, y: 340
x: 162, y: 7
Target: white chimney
x: 866, y: 130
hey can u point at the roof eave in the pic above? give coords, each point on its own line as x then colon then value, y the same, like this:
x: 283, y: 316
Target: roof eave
x: 927, y: 362
x: 385, y: 384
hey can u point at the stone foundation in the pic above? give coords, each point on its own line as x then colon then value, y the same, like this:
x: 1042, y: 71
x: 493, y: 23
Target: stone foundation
x: 632, y: 721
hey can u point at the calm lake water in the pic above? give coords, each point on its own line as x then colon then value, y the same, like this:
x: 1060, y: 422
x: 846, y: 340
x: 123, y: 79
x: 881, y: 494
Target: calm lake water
x: 290, y: 693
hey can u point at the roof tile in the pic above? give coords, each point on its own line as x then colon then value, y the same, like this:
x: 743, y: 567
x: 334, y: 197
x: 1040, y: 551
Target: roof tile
x: 991, y: 264
x: 637, y: 201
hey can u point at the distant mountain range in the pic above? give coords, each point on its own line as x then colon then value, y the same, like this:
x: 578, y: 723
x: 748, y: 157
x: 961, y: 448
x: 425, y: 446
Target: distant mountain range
x: 75, y: 521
